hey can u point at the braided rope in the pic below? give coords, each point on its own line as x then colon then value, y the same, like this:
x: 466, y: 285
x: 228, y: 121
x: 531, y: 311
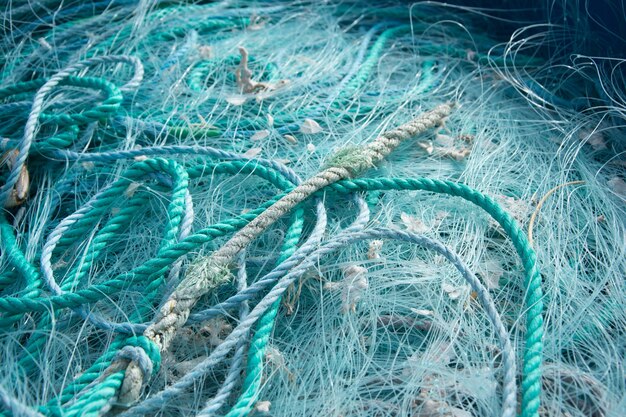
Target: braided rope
x: 207, y: 273
x: 509, y: 397
x: 212, y: 406
x: 258, y: 345
x: 130, y: 386
x: 122, y: 386
x: 85, y: 217
x: 10, y: 403
x: 533, y: 351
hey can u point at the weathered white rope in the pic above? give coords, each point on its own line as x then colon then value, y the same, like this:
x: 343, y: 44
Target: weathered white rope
x: 209, y: 272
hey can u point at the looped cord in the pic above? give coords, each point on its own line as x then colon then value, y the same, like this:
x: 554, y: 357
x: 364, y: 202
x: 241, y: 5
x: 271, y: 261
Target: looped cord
x: 144, y: 360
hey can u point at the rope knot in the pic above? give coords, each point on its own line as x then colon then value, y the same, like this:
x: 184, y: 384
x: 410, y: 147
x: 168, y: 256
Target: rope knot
x: 203, y: 275
x: 144, y: 360
x: 352, y: 158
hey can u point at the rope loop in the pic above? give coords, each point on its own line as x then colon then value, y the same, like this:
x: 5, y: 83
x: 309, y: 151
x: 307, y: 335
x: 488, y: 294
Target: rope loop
x: 149, y: 350
x: 144, y: 361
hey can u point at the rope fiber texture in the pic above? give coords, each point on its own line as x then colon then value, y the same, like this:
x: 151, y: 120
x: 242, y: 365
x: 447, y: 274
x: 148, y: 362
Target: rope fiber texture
x: 206, y: 210
x: 209, y: 273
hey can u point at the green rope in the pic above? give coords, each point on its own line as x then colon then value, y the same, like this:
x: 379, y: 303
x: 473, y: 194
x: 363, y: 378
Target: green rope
x: 84, y: 397
x: 531, y: 375
x: 105, y: 391
x: 533, y: 350
x: 260, y: 340
x: 101, y: 112
x: 22, y: 267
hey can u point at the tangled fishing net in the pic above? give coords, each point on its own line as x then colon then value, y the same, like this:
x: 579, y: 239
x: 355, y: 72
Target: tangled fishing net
x: 311, y: 209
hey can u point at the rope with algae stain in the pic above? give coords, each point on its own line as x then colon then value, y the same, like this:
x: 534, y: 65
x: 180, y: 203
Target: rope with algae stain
x: 519, y: 240
x: 532, y: 367
x: 349, y: 235
x: 344, y: 159
x: 231, y: 168
x: 208, y: 273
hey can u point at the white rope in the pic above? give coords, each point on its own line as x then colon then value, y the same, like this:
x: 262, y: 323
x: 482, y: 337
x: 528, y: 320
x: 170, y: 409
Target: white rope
x: 209, y: 272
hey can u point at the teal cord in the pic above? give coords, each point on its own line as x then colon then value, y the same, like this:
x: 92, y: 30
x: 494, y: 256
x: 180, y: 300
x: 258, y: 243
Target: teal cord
x: 90, y: 393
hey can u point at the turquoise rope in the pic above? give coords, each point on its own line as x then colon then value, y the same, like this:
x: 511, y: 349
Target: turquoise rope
x: 531, y: 374
x: 260, y: 340
x: 113, y: 381
x: 533, y: 350
x: 30, y: 300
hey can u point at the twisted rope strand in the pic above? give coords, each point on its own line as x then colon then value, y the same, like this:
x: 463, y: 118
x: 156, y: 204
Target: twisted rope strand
x: 214, y: 270
x: 158, y: 401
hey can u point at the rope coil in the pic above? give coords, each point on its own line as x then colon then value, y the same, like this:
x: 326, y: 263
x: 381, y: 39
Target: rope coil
x: 160, y: 252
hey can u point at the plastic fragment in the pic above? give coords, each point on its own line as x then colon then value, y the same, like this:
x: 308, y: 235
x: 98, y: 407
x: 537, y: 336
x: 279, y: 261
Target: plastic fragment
x: 251, y: 153
x: 261, y: 134
x: 237, y: 100
x: 310, y: 127
x: 291, y: 139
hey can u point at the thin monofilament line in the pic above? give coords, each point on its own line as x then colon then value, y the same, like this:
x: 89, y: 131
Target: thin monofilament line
x: 172, y: 150
x: 208, y: 273
x: 37, y: 108
x: 214, y: 404
x: 196, y: 154
x: 351, y: 163
x: 16, y: 407
x: 298, y: 256
x: 161, y: 399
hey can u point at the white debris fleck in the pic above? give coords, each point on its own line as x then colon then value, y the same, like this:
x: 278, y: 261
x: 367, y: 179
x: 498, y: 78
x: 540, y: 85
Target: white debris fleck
x: 427, y: 146
x: 43, y: 42
x: 132, y: 188
x: 422, y: 312
x: 139, y: 158
x: 261, y: 134
x: 413, y: 224
x: 236, y: 100
x: 291, y: 139
x: 262, y: 406
x: 453, y: 292
x: 356, y: 282
x: 458, y: 155
x: 310, y: 147
x: 251, y: 153
x: 310, y: 127
x: 374, y: 249
x: 352, y: 286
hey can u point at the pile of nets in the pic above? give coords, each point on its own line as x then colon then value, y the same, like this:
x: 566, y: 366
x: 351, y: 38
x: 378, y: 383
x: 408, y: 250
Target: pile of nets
x: 303, y: 208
